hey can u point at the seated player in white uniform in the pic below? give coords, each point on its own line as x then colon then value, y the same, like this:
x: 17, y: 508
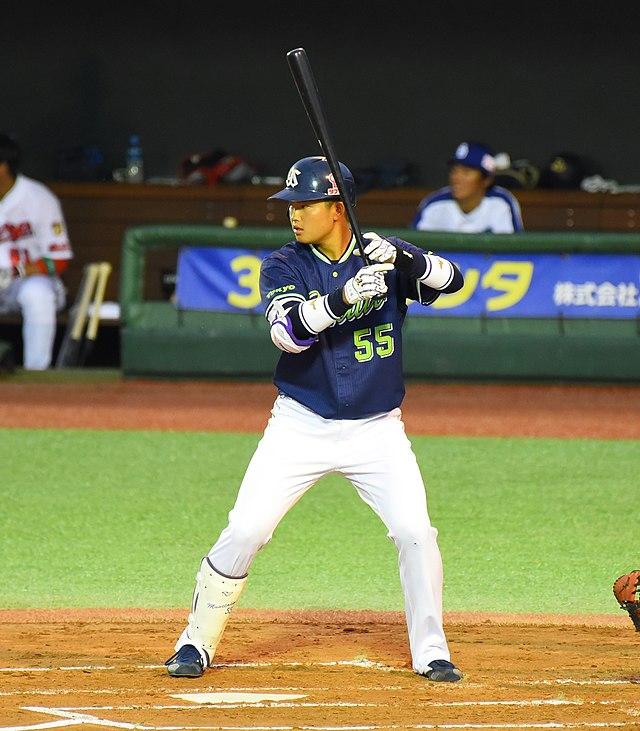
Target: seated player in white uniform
x: 338, y: 322
x: 34, y: 252
x: 471, y: 203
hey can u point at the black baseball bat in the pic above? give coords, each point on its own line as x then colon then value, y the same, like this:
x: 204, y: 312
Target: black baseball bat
x: 308, y: 89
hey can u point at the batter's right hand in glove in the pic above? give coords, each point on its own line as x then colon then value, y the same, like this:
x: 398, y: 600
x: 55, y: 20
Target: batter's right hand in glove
x: 368, y: 283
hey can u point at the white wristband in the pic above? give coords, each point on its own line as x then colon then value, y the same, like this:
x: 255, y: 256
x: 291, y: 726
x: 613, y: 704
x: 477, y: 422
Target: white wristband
x: 439, y: 272
x: 316, y: 315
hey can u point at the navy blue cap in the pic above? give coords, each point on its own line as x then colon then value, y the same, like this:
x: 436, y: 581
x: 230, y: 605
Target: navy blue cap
x: 474, y: 155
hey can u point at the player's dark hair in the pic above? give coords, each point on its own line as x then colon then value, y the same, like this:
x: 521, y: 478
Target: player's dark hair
x: 10, y: 153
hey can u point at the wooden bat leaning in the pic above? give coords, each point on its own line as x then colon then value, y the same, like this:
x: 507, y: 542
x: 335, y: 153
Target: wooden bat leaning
x: 300, y: 67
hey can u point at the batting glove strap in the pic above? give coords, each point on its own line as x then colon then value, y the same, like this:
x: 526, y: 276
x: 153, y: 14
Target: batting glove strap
x: 408, y: 263
x: 337, y: 304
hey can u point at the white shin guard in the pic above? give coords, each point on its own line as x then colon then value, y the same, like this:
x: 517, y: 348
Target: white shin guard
x: 214, y: 597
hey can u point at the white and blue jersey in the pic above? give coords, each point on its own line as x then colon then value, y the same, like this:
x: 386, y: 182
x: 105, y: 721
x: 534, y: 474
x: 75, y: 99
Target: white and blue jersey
x: 340, y: 376
x: 498, y: 213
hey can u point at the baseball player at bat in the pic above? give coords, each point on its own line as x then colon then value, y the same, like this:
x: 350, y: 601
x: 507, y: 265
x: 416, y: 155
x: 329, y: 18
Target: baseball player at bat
x: 340, y: 385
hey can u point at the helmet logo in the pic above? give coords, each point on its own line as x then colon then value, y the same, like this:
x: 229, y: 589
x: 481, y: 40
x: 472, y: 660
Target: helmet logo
x: 333, y: 189
x: 292, y: 177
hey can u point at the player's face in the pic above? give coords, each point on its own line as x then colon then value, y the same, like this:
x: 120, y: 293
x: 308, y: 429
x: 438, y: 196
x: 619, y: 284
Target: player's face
x: 6, y: 179
x: 313, y: 222
x: 468, y: 185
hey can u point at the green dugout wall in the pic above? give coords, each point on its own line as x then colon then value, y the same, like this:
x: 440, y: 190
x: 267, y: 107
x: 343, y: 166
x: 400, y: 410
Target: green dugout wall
x: 158, y: 339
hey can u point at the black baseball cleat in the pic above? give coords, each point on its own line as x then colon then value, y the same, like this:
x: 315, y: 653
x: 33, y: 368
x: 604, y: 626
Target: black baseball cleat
x: 443, y: 671
x: 186, y: 663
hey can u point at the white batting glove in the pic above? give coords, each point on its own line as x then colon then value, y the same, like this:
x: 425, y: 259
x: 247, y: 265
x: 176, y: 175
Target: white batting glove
x: 379, y: 249
x: 368, y: 283
x: 382, y: 250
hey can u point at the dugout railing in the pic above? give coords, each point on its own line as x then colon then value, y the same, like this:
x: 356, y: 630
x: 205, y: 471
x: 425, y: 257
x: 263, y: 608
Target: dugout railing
x: 158, y: 338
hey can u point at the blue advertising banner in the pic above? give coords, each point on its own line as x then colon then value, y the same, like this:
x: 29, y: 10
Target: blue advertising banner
x: 543, y: 285
x: 499, y: 285
x: 223, y: 280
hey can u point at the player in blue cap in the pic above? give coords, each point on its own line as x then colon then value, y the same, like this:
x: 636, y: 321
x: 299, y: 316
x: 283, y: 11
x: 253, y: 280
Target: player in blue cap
x: 471, y: 203
x: 338, y: 323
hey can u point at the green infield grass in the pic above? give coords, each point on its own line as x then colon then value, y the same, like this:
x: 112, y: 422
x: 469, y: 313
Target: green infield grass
x: 97, y: 518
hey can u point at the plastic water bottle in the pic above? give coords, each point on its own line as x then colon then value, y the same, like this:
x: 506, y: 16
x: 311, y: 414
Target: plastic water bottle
x: 135, y: 161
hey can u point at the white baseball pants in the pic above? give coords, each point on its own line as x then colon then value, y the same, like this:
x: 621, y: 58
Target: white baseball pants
x: 37, y: 298
x: 297, y: 449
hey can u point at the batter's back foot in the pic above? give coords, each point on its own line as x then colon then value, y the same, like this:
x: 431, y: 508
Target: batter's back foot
x: 443, y: 671
x: 187, y: 662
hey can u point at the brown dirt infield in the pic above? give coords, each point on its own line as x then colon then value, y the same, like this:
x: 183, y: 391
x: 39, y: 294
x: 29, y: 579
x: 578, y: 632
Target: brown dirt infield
x: 328, y: 671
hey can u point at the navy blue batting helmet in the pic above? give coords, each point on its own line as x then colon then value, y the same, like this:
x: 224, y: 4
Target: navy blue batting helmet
x: 311, y: 179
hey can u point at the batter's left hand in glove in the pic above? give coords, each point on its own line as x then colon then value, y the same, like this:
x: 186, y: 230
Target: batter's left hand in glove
x: 626, y: 590
x: 367, y: 284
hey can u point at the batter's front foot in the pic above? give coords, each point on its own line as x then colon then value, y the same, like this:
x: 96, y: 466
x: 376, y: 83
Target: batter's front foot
x: 186, y: 663
x: 443, y: 671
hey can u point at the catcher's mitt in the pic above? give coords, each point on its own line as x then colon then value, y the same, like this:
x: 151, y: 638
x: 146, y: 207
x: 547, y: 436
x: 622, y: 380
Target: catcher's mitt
x: 626, y: 590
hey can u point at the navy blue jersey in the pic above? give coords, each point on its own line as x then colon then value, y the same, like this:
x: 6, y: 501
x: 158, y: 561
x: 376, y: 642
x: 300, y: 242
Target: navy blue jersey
x: 355, y: 369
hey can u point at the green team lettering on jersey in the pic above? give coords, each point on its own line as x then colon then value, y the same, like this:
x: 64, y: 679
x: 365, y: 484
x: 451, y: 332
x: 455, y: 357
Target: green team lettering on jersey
x: 362, y: 308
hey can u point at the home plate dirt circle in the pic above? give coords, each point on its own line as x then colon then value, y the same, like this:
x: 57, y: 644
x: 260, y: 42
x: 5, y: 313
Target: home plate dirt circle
x: 288, y: 670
